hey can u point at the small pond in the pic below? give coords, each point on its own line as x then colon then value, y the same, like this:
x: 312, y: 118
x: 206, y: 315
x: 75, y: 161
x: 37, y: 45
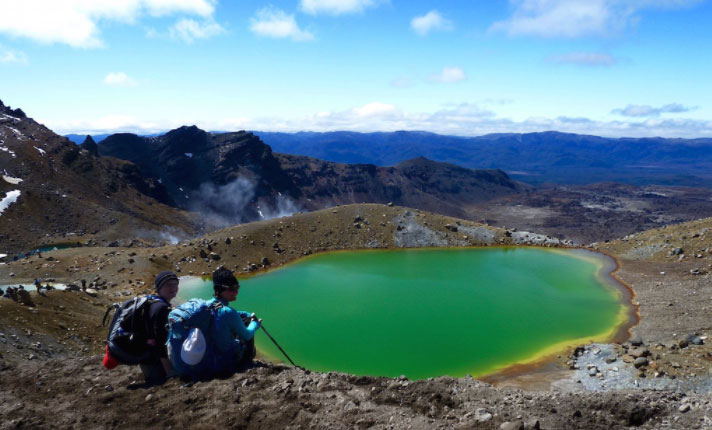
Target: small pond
x: 431, y: 312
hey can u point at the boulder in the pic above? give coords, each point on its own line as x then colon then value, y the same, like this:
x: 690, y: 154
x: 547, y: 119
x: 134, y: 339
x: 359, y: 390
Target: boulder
x: 640, y: 362
x: 514, y: 425
x: 92, y: 292
x: 482, y: 415
x: 639, y: 352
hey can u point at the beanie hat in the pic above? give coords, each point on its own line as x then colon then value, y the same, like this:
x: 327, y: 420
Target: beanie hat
x: 223, y: 279
x: 164, y: 277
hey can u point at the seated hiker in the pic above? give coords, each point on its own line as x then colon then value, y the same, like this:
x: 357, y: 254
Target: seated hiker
x: 158, y: 368
x: 233, y: 331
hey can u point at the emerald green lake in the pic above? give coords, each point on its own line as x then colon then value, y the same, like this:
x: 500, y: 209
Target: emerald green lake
x: 431, y: 312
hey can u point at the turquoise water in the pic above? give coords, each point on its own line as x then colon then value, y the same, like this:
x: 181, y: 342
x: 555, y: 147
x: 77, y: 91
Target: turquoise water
x: 426, y: 313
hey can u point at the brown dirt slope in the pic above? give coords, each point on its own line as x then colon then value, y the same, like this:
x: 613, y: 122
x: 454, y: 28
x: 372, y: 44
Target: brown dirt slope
x: 53, y: 391
x: 68, y: 194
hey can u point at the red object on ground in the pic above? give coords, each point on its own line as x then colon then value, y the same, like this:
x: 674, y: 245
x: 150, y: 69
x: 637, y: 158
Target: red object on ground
x: 109, y: 362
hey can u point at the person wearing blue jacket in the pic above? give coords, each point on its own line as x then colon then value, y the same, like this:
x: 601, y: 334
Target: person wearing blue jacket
x: 233, y: 331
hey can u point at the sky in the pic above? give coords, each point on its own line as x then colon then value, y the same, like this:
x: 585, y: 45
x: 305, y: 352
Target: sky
x: 464, y: 67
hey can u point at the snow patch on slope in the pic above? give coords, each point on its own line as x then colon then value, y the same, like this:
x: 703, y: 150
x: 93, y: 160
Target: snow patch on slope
x: 10, y: 198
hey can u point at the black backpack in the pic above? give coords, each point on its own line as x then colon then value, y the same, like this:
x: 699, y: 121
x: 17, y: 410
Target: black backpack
x: 129, y: 330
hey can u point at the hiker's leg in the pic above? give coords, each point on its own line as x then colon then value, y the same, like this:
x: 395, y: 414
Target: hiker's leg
x: 153, y: 373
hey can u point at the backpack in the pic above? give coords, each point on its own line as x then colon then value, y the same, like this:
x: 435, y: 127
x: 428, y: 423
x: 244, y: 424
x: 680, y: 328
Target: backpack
x: 184, y: 319
x: 129, y: 330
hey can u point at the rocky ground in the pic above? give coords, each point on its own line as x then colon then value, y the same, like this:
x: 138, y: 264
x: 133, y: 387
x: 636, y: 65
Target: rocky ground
x: 583, y: 213
x: 52, y: 377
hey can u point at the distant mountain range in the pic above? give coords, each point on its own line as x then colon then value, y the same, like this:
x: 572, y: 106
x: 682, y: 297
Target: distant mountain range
x: 235, y: 177
x: 535, y: 158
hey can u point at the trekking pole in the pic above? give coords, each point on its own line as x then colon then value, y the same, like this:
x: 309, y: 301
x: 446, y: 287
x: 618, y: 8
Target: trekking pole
x: 280, y: 348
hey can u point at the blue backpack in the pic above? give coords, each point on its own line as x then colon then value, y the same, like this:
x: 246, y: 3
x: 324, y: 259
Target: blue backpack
x: 195, y: 313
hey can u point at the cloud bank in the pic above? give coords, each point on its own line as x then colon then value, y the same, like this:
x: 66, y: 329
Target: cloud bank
x: 449, y: 75
x: 466, y: 119
x: 577, y: 18
x: 592, y: 59
x: 336, y: 7
x: 119, y: 79
x: 648, y: 111
x: 275, y: 23
x: 431, y: 21
x: 76, y: 22
x: 190, y: 30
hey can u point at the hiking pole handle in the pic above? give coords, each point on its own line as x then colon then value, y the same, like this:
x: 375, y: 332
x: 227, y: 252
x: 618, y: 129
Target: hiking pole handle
x: 280, y: 348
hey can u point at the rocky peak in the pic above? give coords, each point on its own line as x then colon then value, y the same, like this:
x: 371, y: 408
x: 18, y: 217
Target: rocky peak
x: 185, y: 139
x: 90, y: 145
x: 18, y: 113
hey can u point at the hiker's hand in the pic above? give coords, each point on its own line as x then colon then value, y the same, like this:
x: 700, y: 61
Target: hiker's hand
x: 253, y: 317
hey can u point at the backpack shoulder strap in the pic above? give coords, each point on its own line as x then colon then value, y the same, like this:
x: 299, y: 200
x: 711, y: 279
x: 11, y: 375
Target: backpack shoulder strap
x: 114, y: 306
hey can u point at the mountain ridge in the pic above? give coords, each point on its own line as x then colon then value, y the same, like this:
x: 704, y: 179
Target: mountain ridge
x: 192, y: 163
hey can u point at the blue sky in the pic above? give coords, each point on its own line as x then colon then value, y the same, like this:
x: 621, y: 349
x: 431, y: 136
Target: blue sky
x: 604, y: 67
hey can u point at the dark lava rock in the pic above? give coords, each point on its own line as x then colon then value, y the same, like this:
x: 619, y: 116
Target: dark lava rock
x: 265, y: 261
x: 678, y: 251
x: 636, y: 341
x: 215, y: 256
x: 640, y: 362
x: 203, y: 254
x: 227, y: 241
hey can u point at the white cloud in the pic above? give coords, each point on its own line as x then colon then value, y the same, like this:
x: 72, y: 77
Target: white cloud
x: 375, y: 109
x: 584, y: 59
x: 429, y: 22
x: 76, y: 22
x: 465, y: 119
x: 450, y: 75
x: 575, y: 18
x: 649, y: 111
x: 119, y: 79
x: 336, y: 7
x: 11, y: 56
x: 189, y: 30
x: 273, y: 22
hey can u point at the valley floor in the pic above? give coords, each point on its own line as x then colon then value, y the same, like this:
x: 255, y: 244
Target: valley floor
x: 52, y: 376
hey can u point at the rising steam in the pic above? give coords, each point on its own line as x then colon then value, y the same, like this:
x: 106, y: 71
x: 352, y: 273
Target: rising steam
x: 234, y: 203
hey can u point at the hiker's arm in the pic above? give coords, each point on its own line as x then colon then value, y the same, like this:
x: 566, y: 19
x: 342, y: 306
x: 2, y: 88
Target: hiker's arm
x: 159, y: 320
x: 238, y: 327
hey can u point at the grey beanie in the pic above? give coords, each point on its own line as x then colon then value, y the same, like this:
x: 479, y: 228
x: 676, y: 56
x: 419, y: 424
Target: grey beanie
x: 164, y: 277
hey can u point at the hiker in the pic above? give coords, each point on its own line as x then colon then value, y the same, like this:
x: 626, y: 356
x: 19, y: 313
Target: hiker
x: 23, y: 296
x: 233, y: 331
x: 84, y: 285
x: 38, y: 285
x: 158, y: 368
